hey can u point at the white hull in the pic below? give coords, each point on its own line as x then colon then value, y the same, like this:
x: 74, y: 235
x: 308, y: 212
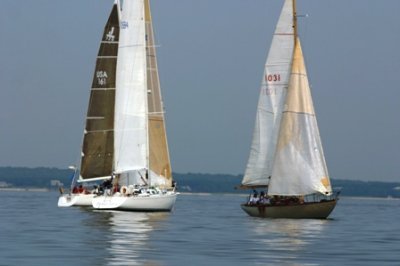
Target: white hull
x: 158, y: 202
x: 69, y: 200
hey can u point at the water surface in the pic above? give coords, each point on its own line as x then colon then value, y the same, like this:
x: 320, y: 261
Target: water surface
x: 202, y: 230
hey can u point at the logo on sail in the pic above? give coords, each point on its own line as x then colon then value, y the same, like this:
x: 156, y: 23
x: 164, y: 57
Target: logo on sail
x: 110, y: 35
x: 101, y: 77
x: 124, y: 25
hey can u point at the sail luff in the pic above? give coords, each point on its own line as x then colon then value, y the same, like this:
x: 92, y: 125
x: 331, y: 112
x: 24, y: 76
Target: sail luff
x: 119, y: 7
x: 98, y: 139
x: 272, y: 94
x: 299, y: 167
x: 131, y: 140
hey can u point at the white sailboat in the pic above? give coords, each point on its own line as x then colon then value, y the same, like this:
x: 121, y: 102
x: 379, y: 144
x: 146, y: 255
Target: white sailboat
x: 141, y: 170
x: 286, y: 155
x: 98, y: 140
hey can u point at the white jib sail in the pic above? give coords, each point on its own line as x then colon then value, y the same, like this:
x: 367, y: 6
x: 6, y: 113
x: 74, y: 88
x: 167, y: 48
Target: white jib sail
x: 299, y: 167
x: 131, y: 140
x: 273, y: 92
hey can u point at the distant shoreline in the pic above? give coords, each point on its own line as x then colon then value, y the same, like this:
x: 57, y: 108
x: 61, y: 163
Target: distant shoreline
x: 44, y: 179
x: 25, y: 189
x: 203, y: 194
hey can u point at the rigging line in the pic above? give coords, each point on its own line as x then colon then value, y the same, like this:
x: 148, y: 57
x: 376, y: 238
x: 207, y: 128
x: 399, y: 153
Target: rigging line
x: 270, y: 84
x: 132, y: 45
x: 153, y: 78
x: 156, y: 113
x: 102, y: 89
x: 95, y: 117
x: 153, y: 46
x: 265, y: 111
x: 155, y: 35
x: 276, y: 64
x: 107, y: 57
x: 283, y: 34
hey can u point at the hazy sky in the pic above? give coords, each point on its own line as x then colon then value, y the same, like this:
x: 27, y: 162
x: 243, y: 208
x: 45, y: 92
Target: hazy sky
x: 211, y: 59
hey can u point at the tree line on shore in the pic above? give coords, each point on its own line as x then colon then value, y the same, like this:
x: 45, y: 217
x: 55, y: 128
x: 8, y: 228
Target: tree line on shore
x: 42, y: 177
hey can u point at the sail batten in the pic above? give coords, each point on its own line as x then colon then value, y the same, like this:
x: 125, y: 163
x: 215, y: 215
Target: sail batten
x: 284, y: 34
x: 299, y: 113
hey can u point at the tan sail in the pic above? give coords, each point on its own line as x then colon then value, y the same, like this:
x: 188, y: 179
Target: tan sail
x: 159, y: 161
x: 299, y: 166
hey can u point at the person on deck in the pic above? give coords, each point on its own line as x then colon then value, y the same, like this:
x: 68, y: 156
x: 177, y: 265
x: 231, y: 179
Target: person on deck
x: 253, y: 198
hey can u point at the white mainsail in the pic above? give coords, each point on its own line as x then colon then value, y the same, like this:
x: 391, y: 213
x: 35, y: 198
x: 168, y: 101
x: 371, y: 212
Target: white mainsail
x: 299, y: 167
x: 273, y: 92
x: 131, y: 138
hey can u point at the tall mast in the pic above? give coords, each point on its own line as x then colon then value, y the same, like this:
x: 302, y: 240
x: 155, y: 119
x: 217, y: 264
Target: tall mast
x: 294, y: 21
x: 147, y: 16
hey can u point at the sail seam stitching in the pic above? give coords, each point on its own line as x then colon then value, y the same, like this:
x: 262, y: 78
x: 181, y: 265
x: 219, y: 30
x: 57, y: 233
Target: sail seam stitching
x: 299, y: 113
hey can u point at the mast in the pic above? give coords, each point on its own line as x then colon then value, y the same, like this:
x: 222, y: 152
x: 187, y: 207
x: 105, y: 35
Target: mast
x: 295, y: 33
x: 145, y: 18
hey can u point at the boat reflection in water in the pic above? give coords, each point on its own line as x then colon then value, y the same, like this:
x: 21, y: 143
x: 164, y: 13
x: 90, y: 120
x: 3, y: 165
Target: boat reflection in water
x: 286, y: 239
x: 126, y: 236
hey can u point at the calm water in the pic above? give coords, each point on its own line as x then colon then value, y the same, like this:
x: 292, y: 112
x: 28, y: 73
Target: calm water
x: 202, y: 230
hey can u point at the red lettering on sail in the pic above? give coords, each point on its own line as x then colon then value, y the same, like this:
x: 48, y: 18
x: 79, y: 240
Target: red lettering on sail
x: 273, y: 77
